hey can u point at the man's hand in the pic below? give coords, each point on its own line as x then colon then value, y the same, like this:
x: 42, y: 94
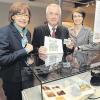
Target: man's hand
x: 42, y: 50
x: 42, y: 56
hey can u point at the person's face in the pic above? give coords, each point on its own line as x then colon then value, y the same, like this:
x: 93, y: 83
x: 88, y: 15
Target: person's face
x: 77, y: 18
x: 53, y: 16
x: 21, y: 19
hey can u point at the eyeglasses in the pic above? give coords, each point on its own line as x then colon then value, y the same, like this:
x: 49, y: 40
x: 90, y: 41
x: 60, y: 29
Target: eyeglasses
x: 22, y: 15
x: 75, y: 16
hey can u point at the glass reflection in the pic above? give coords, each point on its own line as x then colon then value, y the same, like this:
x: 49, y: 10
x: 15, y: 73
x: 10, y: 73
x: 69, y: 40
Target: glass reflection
x: 56, y: 66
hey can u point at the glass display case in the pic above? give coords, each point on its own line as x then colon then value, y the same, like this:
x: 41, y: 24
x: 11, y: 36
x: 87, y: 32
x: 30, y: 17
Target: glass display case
x: 52, y: 67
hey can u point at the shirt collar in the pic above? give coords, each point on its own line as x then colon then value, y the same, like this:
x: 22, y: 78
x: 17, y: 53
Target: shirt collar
x: 50, y: 27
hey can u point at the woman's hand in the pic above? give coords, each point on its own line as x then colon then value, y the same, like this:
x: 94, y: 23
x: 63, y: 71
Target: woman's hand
x: 29, y: 47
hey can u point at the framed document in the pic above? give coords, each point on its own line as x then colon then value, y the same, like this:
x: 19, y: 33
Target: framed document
x: 96, y: 35
x: 53, y: 45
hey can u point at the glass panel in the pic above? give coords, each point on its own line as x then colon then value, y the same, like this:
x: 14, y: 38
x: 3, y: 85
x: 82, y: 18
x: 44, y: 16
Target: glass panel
x: 57, y: 66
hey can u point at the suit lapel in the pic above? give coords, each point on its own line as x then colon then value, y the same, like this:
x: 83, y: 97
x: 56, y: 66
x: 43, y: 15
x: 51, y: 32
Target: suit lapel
x: 58, y: 32
x: 81, y: 32
x: 15, y: 32
x: 16, y: 35
x: 47, y: 31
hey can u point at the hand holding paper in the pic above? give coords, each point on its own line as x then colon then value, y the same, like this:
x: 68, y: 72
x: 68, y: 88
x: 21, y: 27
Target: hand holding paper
x: 42, y: 50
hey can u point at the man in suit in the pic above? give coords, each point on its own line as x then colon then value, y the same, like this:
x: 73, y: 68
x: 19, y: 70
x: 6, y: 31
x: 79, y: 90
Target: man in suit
x: 53, y: 15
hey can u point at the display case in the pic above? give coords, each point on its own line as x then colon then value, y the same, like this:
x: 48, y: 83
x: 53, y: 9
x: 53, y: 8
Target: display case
x: 52, y: 67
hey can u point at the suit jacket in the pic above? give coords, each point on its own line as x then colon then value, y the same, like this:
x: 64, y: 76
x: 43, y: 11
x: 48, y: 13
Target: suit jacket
x: 84, y: 40
x: 12, y: 54
x: 42, y: 31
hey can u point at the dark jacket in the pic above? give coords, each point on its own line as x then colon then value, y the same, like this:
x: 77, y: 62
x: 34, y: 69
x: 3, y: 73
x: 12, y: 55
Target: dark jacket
x: 42, y: 31
x: 12, y: 54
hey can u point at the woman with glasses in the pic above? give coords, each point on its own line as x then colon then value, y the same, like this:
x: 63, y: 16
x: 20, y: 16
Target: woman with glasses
x: 81, y: 35
x: 15, y: 48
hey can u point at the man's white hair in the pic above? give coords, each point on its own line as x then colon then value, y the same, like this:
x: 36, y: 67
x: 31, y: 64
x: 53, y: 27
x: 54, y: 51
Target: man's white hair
x: 53, y: 5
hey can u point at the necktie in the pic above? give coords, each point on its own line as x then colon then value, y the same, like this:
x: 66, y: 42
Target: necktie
x: 53, y: 32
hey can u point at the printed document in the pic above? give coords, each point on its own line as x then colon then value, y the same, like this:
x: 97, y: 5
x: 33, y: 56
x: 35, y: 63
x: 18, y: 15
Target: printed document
x: 53, y: 45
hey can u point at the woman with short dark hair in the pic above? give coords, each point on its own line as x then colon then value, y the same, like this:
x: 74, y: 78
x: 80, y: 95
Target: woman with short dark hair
x: 81, y: 35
